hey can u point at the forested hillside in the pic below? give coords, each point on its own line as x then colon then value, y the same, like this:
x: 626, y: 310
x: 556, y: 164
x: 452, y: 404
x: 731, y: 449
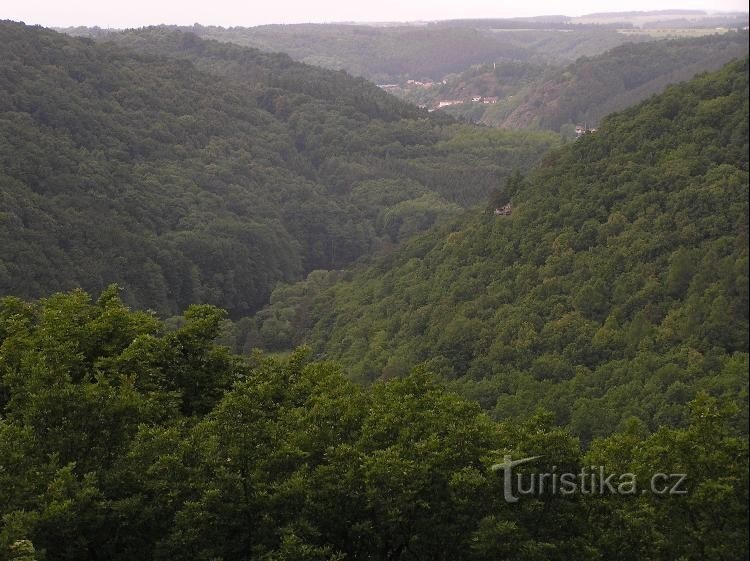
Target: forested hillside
x: 192, y: 171
x: 590, y: 88
x: 523, y: 66
x: 432, y: 51
x: 559, y: 98
x: 398, y: 52
x: 528, y: 69
x: 122, y: 440
x: 617, y: 288
x: 471, y: 310
x: 393, y: 52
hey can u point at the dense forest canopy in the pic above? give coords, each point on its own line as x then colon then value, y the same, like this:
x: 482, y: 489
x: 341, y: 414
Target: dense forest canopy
x: 590, y: 88
x: 121, y: 439
x: 546, y: 74
x: 396, y: 52
x: 386, y: 53
x: 466, y: 303
x: 617, y: 288
x: 192, y: 171
x: 560, y: 97
x: 511, y: 73
x: 439, y: 297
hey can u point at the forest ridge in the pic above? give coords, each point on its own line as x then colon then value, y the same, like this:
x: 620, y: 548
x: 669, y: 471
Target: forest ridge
x: 252, y: 309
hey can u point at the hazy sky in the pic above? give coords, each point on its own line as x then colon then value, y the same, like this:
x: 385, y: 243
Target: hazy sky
x: 134, y: 13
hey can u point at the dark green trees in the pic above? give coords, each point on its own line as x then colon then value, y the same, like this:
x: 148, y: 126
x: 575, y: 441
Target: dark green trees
x: 188, y: 171
x: 617, y: 287
x: 120, y: 439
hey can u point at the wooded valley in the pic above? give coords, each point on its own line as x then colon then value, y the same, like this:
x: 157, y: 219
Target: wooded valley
x: 256, y: 309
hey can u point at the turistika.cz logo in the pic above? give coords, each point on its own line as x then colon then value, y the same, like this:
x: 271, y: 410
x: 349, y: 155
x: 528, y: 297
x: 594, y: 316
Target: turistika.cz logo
x: 591, y: 480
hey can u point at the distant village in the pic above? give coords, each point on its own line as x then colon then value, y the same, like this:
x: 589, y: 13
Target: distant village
x: 475, y: 99
x: 580, y: 130
x: 392, y: 88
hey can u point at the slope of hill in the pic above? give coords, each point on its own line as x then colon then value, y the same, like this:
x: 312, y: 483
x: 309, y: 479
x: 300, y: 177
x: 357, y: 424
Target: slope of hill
x: 582, y: 92
x: 617, y: 288
x: 666, y: 19
x: 474, y: 88
x: 212, y: 174
x: 590, y: 88
x: 614, y: 295
x: 385, y: 54
x: 388, y: 53
x: 121, y: 439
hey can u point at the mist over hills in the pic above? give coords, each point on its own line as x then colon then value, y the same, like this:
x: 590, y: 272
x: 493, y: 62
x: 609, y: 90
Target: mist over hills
x: 390, y: 52
x: 589, y: 89
x: 386, y: 53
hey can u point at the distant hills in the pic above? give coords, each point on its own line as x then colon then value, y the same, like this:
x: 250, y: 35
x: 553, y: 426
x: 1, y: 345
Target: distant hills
x: 384, y: 54
x: 192, y: 171
x: 550, y: 72
x: 560, y: 97
x: 590, y: 88
x: 394, y: 52
x: 617, y: 288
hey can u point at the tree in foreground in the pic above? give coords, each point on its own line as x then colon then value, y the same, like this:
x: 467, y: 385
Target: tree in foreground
x: 121, y: 438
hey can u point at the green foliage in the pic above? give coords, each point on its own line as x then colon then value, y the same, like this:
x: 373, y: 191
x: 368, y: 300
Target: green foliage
x: 702, y: 524
x: 591, y: 87
x: 387, y: 53
x: 190, y: 171
x: 101, y: 459
x: 603, y: 71
x: 614, y: 296
x: 616, y: 289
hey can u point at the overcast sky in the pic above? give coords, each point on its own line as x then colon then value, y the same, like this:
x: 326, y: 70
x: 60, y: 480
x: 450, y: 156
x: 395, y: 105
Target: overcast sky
x: 135, y: 13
